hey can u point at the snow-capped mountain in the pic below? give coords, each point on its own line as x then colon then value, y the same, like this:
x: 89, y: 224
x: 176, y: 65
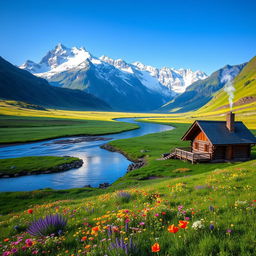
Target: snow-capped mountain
x: 122, y: 85
x: 177, y: 80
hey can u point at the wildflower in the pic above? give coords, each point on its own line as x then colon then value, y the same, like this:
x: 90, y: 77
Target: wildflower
x: 228, y: 232
x: 142, y: 223
x: 155, y: 247
x: 173, y: 229
x: 163, y: 213
x: 183, y: 224
x: 211, y: 208
x: 198, y: 225
x: 28, y: 242
x: 6, y: 239
x: 180, y: 207
x: 14, y: 250
x: 95, y: 229
x: 6, y: 253
x: 30, y: 211
x: 51, y: 224
x: 211, y: 227
x: 84, y: 238
x: 156, y: 214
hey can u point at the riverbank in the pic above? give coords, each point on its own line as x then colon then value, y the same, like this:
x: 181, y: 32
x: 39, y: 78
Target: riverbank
x: 18, y: 130
x: 22, y: 166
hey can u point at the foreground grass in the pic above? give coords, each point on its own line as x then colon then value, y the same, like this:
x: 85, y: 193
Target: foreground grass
x: 33, y: 164
x: 19, y: 129
x: 219, y: 207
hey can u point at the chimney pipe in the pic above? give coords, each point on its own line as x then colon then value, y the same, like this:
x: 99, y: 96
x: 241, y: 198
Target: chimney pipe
x: 230, y: 124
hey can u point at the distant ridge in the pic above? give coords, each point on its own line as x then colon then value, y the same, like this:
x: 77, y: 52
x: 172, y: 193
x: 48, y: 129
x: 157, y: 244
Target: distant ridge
x: 202, y: 91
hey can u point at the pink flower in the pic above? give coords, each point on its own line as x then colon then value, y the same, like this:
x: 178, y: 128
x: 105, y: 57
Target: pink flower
x: 35, y: 252
x: 28, y: 242
x: 156, y: 214
x: 6, y: 253
x: 142, y: 223
x: 187, y: 218
x: 127, y: 220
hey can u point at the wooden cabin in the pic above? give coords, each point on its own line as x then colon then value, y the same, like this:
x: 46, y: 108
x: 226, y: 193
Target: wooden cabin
x: 217, y: 141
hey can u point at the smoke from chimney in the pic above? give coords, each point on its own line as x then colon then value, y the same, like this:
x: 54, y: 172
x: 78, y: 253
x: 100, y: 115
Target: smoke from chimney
x: 229, y: 89
x: 230, y: 123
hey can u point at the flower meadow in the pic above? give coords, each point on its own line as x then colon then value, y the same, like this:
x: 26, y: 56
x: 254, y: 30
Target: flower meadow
x: 206, y: 214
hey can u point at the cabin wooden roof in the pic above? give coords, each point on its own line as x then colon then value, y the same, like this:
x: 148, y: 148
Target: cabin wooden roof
x: 218, y: 134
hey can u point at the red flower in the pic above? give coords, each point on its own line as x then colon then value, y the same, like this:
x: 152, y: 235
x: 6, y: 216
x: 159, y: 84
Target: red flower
x: 173, y: 229
x: 155, y: 247
x: 183, y: 224
x: 163, y: 213
x: 30, y: 211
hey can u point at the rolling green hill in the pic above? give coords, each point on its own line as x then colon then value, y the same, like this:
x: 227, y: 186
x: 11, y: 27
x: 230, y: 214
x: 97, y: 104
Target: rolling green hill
x: 20, y: 85
x: 244, y: 95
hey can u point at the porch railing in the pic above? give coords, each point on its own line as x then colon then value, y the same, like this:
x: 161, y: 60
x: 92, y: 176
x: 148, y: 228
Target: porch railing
x: 187, y: 154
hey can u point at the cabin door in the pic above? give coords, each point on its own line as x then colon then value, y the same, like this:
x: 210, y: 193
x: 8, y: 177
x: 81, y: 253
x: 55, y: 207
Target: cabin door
x: 229, y: 152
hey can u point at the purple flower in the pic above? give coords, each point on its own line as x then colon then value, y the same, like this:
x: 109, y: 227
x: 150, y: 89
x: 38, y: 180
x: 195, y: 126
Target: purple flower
x: 14, y: 250
x: 211, y: 227
x: 119, y: 243
x: 124, y: 196
x: 229, y: 231
x: 211, y: 208
x: 51, y: 224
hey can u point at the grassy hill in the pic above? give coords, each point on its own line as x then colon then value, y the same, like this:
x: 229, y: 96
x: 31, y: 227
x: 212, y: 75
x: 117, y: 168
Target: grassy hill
x: 244, y: 95
x: 20, y: 85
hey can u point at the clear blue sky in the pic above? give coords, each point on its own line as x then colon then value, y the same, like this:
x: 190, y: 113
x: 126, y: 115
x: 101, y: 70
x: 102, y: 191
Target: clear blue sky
x: 194, y: 34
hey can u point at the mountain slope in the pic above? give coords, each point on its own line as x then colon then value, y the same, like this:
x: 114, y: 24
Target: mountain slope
x: 123, y: 86
x: 200, y: 92
x: 244, y: 93
x: 17, y: 84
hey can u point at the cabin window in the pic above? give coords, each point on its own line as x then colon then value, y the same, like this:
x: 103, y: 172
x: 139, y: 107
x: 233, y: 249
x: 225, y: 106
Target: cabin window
x: 206, y: 148
x: 196, y: 146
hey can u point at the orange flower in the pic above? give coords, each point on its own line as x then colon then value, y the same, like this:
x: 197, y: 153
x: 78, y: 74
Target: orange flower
x: 30, y: 211
x: 183, y: 224
x: 84, y: 238
x: 95, y: 229
x: 155, y: 247
x: 173, y: 229
x: 6, y: 239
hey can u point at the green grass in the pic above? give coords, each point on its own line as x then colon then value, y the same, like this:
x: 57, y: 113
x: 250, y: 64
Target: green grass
x: 23, y: 129
x: 155, y: 145
x: 33, y: 164
x: 228, y: 188
x: 151, y: 209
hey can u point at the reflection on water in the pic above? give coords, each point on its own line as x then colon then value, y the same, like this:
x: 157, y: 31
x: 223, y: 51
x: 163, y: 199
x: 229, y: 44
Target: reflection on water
x: 99, y: 165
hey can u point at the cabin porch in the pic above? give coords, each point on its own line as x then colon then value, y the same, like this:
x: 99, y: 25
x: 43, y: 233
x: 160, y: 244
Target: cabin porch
x: 188, y: 154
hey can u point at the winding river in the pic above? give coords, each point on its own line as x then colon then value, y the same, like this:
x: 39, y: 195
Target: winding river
x: 99, y: 165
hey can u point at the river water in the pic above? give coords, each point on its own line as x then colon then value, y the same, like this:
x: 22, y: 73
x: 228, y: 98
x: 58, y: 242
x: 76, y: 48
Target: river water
x: 99, y: 165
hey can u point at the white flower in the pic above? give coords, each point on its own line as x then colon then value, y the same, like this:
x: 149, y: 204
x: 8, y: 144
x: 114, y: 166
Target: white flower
x: 198, y: 225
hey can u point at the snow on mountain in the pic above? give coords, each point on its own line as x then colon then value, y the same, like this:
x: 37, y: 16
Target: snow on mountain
x: 61, y: 59
x: 176, y: 80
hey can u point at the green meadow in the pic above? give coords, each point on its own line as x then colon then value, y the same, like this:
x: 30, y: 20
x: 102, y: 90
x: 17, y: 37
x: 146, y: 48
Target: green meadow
x: 167, y: 207
x: 25, y: 129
